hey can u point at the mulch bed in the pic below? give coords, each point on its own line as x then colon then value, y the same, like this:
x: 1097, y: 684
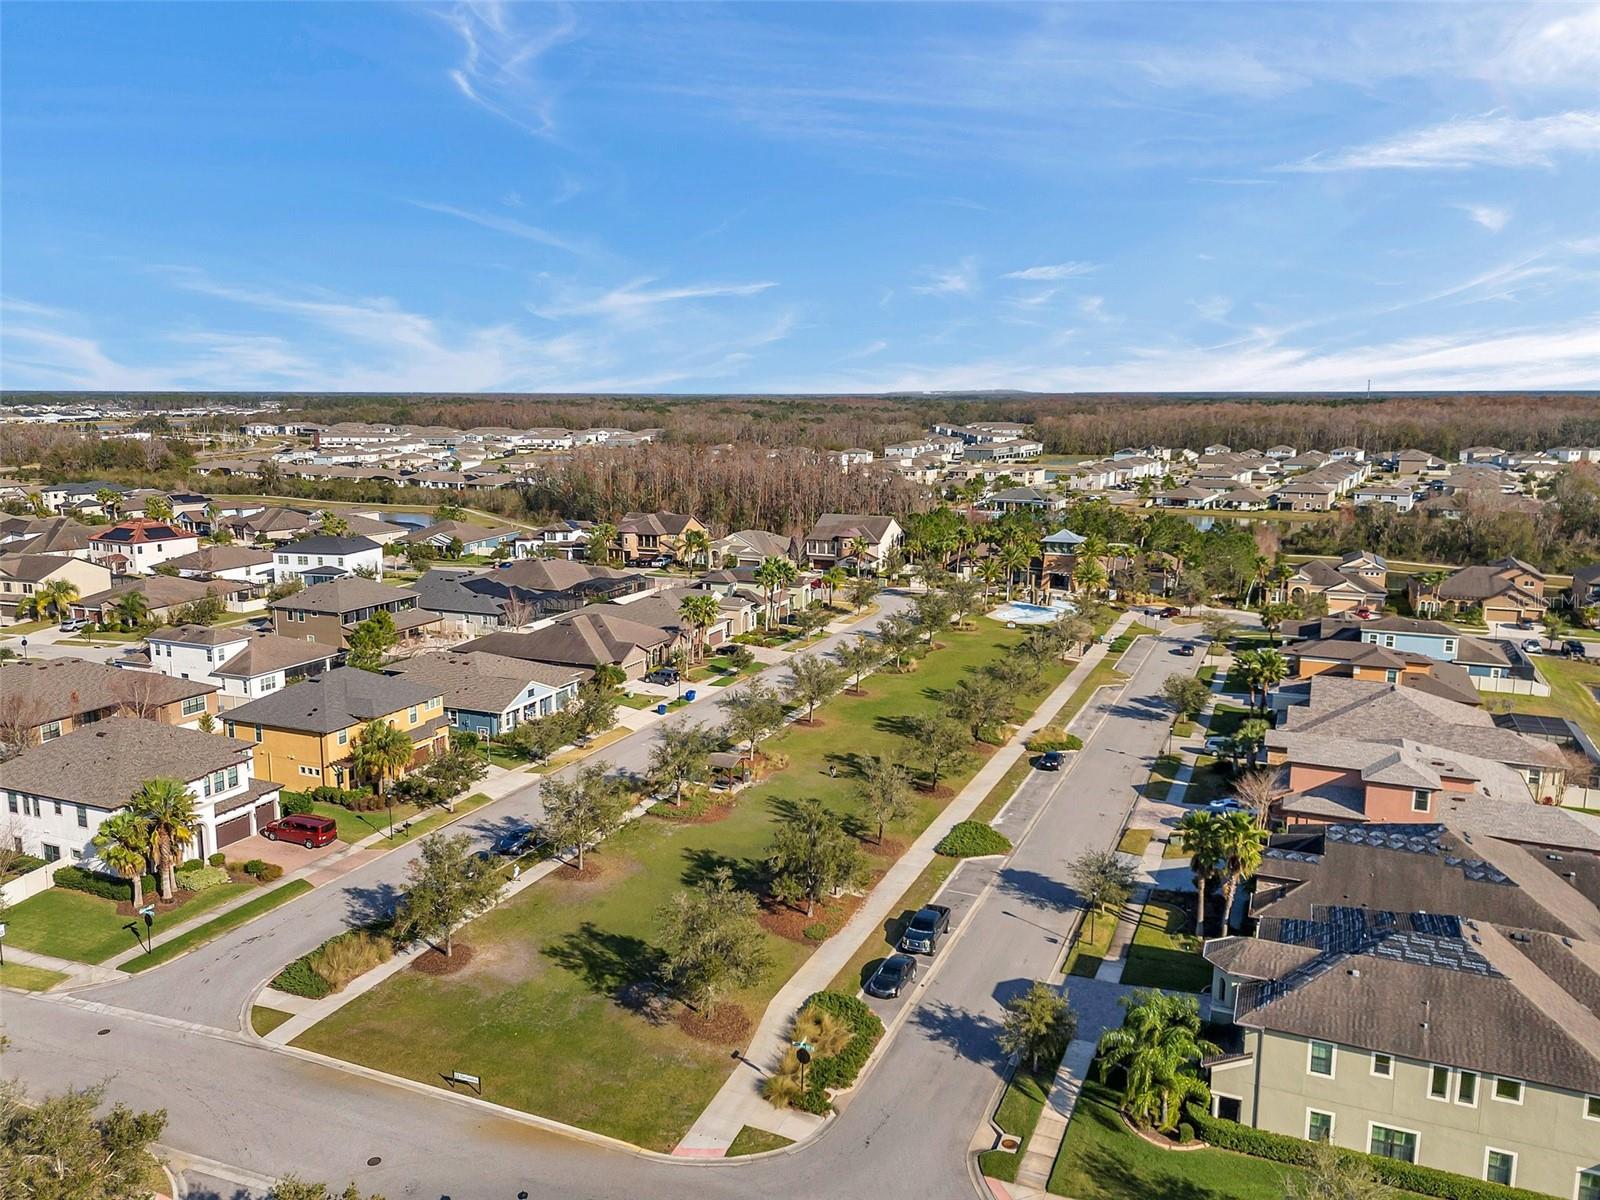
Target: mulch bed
x: 434, y: 962
x: 791, y: 923
x: 125, y: 908
x: 890, y: 847
x: 592, y: 870
x: 688, y: 814
x: 722, y: 1024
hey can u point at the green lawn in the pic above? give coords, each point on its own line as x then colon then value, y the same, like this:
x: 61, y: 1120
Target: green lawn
x: 1208, y: 779
x: 544, y: 1010
x: 1226, y: 718
x: 1092, y: 945
x: 1135, y: 841
x: 1020, y: 1106
x: 217, y: 926
x: 638, y: 700
x: 85, y: 928
x: 1163, y: 953
x: 1162, y: 776
x: 28, y: 979
x: 751, y: 1140
x: 1003, y: 790
x: 1102, y: 1160
x: 1104, y: 672
x: 1569, y: 696
x: 1174, y: 847
x: 427, y: 824
x: 354, y: 826
x: 264, y: 1020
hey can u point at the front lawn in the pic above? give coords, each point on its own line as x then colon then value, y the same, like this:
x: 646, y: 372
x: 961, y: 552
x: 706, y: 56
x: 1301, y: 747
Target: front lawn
x: 354, y: 826
x: 217, y: 926
x: 1092, y: 945
x: 1135, y: 841
x: 1208, y: 778
x: 1226, y: 718
x: 1164, y: 954
x: 68, y: 924
x: 1162, y: 776
x: 559, y: 1004
x: 1020, y: 1106
x: 1101, y: 1159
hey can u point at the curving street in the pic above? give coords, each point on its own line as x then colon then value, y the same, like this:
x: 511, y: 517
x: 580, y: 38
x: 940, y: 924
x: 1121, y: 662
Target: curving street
x: 905, y: 1131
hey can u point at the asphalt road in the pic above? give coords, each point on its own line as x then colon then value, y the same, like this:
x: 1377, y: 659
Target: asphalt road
x: 904, y: 1133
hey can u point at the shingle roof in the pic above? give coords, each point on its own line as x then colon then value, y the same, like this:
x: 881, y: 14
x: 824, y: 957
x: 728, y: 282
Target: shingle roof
x: 222, y: 558
x: 343, y: 595
x: 31, y: 568
x: 54, y: 688
x: 483, y: 682
x: 334, y: 700
x: 105, y: 763
x: 162, y: 591
x: 265, y: 653
x: 583, y: 639
x: 323, y: 544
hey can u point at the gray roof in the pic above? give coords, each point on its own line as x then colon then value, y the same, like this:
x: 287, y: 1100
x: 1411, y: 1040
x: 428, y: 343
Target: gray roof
x: 222, y: 558
x: 323, y: 544
x: 54, y: 688
x: 338, y: 596
x: 103, y: 764
x: 481, y: 682
x: 584, y: 639
x: 334, y: 700
x: 32, y: 568
x: 265, y: 653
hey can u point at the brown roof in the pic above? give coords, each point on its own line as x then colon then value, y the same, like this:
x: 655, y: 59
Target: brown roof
x: 162, y: 591
x: 222, y: 558
x: 103, y: 764
x: 338, y: 596
x: 268, y: 652
x: 584, y: 639
x: 49, y: 690
x: 483, y: 682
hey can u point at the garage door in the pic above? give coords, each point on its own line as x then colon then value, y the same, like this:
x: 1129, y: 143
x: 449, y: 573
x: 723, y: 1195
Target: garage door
x: 231, y: 831
x: 266, y: 813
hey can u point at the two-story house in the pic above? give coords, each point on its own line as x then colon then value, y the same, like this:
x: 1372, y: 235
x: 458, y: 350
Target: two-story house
x: 1423, y: 994
x: 48, y: 698
x: 1505, y: 591
x: 1351, y: 585
x: 59, y: 793
x: 303, y: 735
x: 564, y: 538
x: 491, y: 694
x: 23, y: 575
x: 644, y: 536
x: 327, y: 612
x: 862, y: 543
x: 138, y: 547
x: 353, y: 555
x: 242, y: 663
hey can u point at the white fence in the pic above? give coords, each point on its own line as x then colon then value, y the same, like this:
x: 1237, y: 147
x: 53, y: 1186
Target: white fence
x: 1582, y: 797
x: 1514, y: 687
x: 38, y: 880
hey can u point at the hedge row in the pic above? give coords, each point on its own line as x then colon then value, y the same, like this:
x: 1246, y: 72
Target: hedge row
x: 23, y: 863
x: 198, y: 879
x: 1278, y: 1147
x: 107, y: 887
x: 355, y: 799
x: 840, y: 1070
x: 299, y: 979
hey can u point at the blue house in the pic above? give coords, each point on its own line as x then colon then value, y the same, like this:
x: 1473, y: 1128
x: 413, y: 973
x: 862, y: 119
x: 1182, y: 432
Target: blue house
x: 1432, y: 638
x: 491, y: 694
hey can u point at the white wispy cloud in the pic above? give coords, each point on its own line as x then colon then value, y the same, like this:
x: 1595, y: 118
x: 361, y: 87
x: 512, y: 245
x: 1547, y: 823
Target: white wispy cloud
x: 637, y: 298
x: 867, y: 351
x: 498, y: 69
x: 1054, y: 271
x: 512, y: 227
x: 1212, y: 308
x: 959, y: 280
x: 1492, y: 217
x: 1491, y: 140
x: 1543, y: 53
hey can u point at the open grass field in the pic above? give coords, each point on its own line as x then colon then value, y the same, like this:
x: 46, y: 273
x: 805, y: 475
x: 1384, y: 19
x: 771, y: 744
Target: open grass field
x: 557, y: 1005
x: 28, y: 979
x: 85, y: 928
x: 1570, y: 695
x: 1163, y: 953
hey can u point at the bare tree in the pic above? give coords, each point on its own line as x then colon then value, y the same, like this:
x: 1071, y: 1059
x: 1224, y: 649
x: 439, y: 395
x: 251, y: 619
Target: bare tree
x: 1260, y: 790
x: 21, y: 714
x: 516, y: 609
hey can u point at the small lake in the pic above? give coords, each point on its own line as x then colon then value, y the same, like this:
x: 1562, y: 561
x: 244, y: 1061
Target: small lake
x: 410, y: 520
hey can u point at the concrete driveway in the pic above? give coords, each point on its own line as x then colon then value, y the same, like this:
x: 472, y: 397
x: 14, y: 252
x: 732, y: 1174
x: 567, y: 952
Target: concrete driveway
x: 288, y: 856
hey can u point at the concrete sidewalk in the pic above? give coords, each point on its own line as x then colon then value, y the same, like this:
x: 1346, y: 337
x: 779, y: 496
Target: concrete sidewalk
x: 77, y: 974
x: 739, y: 1102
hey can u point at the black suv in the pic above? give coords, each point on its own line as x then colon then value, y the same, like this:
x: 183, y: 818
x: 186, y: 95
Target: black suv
x: 922, y: 934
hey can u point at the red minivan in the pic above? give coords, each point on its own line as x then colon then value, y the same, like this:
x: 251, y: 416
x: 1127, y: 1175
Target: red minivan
x: 308, y: 831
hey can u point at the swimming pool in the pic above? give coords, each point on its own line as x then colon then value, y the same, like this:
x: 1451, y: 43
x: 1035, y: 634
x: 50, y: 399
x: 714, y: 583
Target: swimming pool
x: 1017, y: 613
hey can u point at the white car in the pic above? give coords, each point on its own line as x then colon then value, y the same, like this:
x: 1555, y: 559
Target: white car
x: 1219, y: 746
x: 1533, y: 646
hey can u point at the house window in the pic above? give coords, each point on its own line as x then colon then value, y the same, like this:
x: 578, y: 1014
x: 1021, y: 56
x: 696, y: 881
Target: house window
x: 413, y: 714
x: 1420, y: 799
x: 300, y: 559
x: 1509, y: 1090
x: 314, y: 772
x: 258, y: 733
x: 1589, y: 1185
x: 1591, y: 1108
x: 11, y: 803
x: 51, y: 853
x: 1319, y: 1126
x: 216, y: 780
x: 344, y: 736
x: 83, y: 816
x: 1467, y: 1088
x: 1320, y: 1059
x: 1500, y: 1166
x: 1439, y: 1083
x: 194, y: 704
x: 1400, y: 1144
x: 232, y: 729
x: 233, y: 777
x: 49, y: 731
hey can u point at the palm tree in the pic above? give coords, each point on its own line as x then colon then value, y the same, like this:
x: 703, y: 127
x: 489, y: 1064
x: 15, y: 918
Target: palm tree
x: 57, y: 596
x: 699, y: 611
x: 601, y: 535
x: 132, y: 609
x: 773, y: 575
x: 696, y: 548
x: 123, y: 841
x: 381, y: 752
x: 110, y: 503
x: 1202, y: 838
x: 1272, y: 668
x: 990, y: 571
x: 1015, y: 557
x: 1157, y: 1046
x: 1241, y: 842
x: 834, y: 578
x: 166, y: 809
x: 858, y: 550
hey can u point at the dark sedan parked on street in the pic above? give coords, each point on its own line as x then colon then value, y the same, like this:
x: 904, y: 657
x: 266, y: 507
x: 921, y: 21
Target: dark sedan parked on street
x: 895, y: 974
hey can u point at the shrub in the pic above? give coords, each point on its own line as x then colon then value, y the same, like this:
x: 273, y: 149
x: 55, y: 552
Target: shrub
x: 972, y: 839
x: 190, y: 864
x: 23, y: 863
x: 107, y: 887
x: 294, y: 804
x: 1185, y: 1133
x: 219, y: 859
x: 817, y: 932
x: 348, y: 956
x: 255, y: 866
x: 1278, y: 1147
x: 298, y: 979
x: 198, y: 879
x: 269, y: 872
x: 839, y: 1071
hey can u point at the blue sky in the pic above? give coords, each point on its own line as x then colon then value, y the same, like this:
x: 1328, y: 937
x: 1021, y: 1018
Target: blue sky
x: 819, y: 197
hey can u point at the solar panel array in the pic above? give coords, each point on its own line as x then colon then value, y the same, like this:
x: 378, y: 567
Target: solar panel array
x: 1413, y: 839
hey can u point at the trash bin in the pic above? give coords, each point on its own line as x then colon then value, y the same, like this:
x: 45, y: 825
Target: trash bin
x: 689, y: 695
x: 661, y: 710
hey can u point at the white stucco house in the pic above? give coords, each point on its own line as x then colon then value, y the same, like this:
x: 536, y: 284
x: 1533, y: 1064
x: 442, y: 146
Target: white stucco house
x: 348, y: 554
